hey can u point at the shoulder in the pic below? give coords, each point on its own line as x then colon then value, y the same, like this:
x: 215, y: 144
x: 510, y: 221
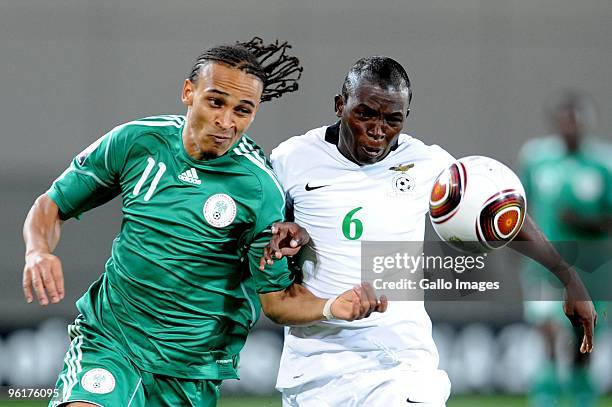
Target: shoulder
x: 429, y: 159
x: 599, y: 151
x: 162, y: 125
x: 251, y: 157
x: 143, y: 136
x: 297, y: 144
x: 414, y: 148
x: 541, y: 149
x: 299, y: 154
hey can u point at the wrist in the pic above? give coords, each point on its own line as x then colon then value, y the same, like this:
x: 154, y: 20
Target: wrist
x: 327, y: 311
x: 36, y: 252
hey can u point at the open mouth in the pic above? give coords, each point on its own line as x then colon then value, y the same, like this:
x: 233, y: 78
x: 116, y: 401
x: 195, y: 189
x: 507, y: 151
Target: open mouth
x: 372, y: 151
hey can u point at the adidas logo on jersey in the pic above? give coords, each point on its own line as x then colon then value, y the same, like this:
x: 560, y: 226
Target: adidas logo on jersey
x: 190, y: 176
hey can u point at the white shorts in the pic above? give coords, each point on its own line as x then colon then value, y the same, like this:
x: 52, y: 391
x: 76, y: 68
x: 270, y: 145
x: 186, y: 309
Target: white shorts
x: 397, y: 386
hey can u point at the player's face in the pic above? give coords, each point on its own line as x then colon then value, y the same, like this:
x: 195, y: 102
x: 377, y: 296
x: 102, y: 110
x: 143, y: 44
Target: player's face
x: 568, y: 126
x: 221, y: 105
x: 370, y: 121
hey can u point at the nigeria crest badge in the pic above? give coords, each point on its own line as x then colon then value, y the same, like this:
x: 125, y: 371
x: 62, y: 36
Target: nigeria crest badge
x: 98, y: 381
x: 220, y: 210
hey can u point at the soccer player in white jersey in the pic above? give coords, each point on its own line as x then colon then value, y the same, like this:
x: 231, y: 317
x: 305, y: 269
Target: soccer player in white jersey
x: 342, y: 174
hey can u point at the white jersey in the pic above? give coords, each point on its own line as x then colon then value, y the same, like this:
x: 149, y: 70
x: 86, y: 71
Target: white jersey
x: 340, y: 204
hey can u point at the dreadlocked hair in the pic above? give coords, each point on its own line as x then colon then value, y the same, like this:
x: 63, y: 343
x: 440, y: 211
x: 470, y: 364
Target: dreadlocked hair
x: 278, y: 71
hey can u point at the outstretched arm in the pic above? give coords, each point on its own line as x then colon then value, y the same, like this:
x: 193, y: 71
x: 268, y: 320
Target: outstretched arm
x: 43, y: 271
x: 578, y: 306
x: 297, y: 305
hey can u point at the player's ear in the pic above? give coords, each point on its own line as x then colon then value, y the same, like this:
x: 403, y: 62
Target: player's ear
x: 338, y: 105
x: 187, y: 93
x: 408, y: 102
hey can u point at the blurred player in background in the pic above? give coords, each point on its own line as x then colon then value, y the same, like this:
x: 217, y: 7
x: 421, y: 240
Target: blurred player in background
x: 344, y: 174
x: 568, y: 181
x: 165, y: 322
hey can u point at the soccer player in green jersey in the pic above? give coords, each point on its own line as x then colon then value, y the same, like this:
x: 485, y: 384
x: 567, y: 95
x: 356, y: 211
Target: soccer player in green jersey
x: 166, y: 321
x: 568, y: 181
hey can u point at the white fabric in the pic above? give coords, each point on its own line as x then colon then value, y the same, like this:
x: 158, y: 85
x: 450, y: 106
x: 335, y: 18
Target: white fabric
x: 385, y: 388
x: 332, y: 262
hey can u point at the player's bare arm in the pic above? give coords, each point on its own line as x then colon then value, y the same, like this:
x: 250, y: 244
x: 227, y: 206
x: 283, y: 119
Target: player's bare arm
x: 280, y: 306
x: 42, y: 273
x: 578, y: 305
x: 296, y: 305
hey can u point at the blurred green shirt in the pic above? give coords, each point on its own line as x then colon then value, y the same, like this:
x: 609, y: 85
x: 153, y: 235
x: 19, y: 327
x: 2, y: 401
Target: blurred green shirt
x: 557, y: 181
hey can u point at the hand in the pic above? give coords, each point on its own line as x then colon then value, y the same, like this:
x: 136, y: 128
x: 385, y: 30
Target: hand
x: 43, y: 272
x: 287, y: 240
x: 358, y: 303
x: 579, y: 308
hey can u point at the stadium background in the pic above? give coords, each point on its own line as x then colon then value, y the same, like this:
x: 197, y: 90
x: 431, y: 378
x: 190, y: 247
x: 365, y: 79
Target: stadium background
x: 72, y: 69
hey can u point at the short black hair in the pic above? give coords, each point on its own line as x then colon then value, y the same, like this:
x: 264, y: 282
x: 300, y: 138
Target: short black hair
x: 381, y: 71
x: 278, y: 71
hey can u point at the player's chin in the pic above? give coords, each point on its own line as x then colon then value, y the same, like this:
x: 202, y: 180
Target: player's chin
x: 370, y: 155
x: 210, y: 152
x: 368, y: 159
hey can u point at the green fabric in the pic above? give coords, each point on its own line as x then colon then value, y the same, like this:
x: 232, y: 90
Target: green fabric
x: 545, y: 387
x: 581, y: 389
x: 557, y: 181
x: 180, y: 289
x: 96, y: 370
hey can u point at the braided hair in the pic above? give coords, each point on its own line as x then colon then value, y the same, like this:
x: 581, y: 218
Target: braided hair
x: 278, y: 71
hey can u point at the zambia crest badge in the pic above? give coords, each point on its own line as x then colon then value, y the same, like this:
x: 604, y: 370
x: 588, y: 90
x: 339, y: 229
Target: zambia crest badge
x: 403, y: 182
x: 401, y: 167
x: 220, y: 210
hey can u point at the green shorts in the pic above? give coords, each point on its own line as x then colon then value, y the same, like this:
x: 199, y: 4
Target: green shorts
x: 96, y: 370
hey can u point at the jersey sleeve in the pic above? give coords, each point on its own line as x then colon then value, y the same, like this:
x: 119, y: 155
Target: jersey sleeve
x: 442, y: 158
x: 92, y: 178
x: 276, y: 277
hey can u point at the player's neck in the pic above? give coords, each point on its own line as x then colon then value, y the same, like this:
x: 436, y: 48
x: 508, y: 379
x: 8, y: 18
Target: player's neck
x: 192, y: 148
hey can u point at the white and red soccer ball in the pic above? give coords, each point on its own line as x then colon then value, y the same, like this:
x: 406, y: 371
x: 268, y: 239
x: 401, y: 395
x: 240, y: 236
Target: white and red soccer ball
x: 477, y: 204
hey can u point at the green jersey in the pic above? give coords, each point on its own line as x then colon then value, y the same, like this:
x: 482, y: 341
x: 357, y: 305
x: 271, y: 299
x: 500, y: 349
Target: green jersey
x: 180, y: 289
x: 556, y: 181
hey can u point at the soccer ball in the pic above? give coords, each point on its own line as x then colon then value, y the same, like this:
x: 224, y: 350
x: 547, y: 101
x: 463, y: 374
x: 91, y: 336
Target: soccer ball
x: 477, y: 204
